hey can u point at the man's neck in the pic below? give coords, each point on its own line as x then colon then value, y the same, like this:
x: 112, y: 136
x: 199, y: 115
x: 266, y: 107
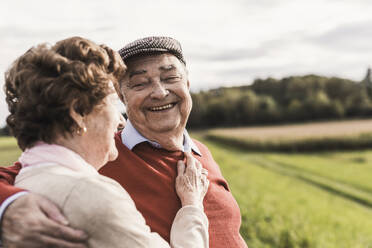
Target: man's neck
x: 171, y: 140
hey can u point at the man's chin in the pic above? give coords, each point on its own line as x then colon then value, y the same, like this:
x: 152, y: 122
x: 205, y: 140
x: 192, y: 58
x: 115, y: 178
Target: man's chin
x: 151, y: 127
x: 163, y: 127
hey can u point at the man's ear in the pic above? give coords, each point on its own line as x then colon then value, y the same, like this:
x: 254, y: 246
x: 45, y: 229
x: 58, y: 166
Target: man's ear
x: 118, y: 91
x: 122, y: 98
x: 187, y: 75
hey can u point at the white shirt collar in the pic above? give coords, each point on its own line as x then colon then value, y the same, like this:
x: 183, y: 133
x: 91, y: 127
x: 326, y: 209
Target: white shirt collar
x: 131, y: 137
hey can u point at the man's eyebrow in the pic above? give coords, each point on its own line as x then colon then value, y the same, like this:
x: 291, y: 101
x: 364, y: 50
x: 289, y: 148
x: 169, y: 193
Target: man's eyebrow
x: 167, y: 67
x: 133, y: 73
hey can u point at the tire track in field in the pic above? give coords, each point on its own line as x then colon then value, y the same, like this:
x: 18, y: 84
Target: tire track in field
x: 312, y: 173
x: 337, y: 188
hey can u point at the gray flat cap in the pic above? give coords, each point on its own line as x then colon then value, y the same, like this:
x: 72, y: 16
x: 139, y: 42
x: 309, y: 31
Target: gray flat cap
x: 150, y: 45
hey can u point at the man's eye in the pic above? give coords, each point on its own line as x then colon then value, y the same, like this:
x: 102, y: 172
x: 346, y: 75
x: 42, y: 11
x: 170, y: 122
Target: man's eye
x: 138, y: 85
x: 172, y: 79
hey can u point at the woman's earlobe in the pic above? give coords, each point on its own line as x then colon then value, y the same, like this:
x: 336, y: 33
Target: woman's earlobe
x: 80, y: 131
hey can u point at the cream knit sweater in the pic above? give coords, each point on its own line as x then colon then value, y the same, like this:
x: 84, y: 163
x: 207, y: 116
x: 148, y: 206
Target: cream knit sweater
x: 102, y: 208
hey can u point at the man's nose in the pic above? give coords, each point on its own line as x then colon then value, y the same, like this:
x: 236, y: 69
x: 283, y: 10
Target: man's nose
x: 159, y: 91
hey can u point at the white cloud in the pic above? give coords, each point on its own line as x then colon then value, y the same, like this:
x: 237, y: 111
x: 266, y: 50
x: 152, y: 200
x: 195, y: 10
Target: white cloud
x: 225, y: 42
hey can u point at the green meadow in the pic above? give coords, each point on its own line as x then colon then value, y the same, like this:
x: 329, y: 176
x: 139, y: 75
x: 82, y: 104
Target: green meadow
x: 288, y: 200
x: 9, y: 151
x: 302, y: 200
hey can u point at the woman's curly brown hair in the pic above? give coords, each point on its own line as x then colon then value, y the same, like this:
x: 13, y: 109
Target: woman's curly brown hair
x: 43, y: 83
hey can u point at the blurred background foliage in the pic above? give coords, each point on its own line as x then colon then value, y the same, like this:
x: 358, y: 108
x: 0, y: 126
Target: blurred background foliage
x: 291, y: 99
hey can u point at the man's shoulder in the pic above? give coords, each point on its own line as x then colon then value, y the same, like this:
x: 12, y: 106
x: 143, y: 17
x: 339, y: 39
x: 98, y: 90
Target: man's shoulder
x: 203, y: 148
x: 205, y: 153
x: 207, y: 159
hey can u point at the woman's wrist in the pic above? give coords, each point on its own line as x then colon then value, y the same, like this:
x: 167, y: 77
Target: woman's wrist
x: 192, y: 203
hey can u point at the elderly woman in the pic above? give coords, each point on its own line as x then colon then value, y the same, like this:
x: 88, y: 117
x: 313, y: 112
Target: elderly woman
x: 62, y: 112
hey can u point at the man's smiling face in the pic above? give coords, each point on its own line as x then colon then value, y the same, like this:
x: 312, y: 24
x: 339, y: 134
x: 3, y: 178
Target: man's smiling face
x: 156, y: 94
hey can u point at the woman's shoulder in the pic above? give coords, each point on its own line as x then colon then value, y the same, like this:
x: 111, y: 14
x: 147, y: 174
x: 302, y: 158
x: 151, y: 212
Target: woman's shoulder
x: 50, y: 174
x: 60, y: 183
x: 99, y: 189
x: 99, y: 201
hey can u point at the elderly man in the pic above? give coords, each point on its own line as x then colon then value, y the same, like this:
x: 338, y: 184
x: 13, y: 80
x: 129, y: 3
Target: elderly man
x: 156, y: 94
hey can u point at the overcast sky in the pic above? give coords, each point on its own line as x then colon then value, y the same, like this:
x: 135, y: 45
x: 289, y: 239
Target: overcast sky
x: 225, y: 42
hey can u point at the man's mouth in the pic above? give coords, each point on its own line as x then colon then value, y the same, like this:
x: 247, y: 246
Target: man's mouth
x: 161, y: 108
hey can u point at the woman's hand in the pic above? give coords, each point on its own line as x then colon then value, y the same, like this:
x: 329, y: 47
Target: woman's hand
x: 191, y: 182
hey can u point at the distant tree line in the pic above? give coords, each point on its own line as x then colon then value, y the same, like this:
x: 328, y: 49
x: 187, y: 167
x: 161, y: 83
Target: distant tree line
x: 291, y: 99
x: 4, y: 131
x: 270, y: 101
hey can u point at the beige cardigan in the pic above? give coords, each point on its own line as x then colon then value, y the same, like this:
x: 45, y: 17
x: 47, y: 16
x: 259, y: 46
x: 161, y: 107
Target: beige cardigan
x: 101, y: 207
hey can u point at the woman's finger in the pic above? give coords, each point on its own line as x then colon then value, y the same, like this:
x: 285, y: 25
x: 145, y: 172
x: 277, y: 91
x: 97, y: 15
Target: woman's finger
x: 180, y: 167
x: 206, y: 185
x: 198, y: 166
x: 204, y: 180
x: 190, y: 165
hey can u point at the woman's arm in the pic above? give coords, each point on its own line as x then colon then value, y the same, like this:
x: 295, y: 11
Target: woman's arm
x: 106, y: 212
x: 102, y: 208
x: 190, y: 228
x: 31, y: 220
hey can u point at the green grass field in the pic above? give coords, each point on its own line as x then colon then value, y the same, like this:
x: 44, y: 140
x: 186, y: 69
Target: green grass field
x: 9, y: 151
x: 281, y: 207
x: 291, y: 200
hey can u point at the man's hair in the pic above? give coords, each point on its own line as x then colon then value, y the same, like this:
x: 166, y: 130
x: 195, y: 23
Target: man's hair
x: 44, y: 83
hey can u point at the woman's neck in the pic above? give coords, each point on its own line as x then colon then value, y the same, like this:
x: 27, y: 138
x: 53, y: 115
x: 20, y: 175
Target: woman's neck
x: 78, y: 145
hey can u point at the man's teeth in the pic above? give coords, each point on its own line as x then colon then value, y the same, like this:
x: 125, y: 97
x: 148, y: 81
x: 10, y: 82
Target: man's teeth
x: 161, y: 107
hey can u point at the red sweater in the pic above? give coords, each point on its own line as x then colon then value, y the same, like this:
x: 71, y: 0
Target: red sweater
x: 148, y: 174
